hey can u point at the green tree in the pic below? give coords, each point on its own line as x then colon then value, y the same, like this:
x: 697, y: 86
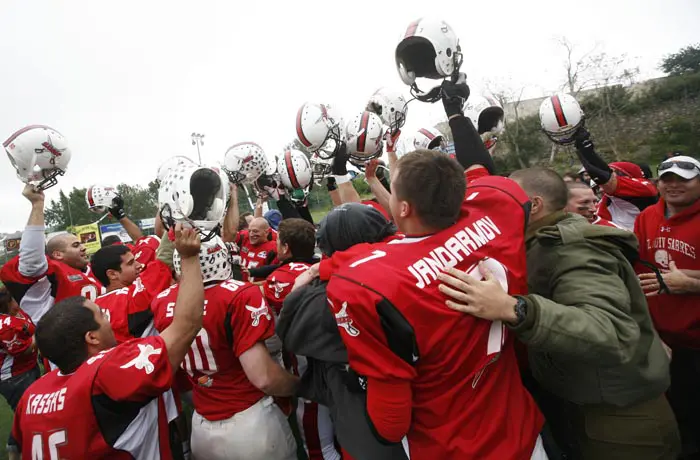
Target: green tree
x: 685, y: 61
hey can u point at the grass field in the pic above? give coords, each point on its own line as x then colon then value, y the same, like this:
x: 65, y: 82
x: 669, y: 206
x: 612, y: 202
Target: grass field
x: 5, y: 427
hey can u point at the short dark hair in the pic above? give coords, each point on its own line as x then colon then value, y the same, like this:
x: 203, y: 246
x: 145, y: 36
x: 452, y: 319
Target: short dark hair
x: 300, y: 235
x: 545, y: 183
x: 434, y: 185
x: 111, y: 240
x: 5, y: 300
x: 576, y: 185
x: 107, y: 258
x: 60, y: 333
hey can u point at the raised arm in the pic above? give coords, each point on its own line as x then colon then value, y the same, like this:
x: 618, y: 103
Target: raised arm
x: 118, y: 212
x: 189, y: 305
x: 32, y: 255
x: 232, y: 214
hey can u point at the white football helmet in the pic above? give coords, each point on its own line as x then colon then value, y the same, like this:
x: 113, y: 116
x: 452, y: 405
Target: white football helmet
x: 560, y: 117
x: 365, y: 137
x: 245, y: 162
x: 428, y: 49
x: 390, y: 106
x: 485, y: 113
x: 39, y: 154
x: 195, y: 195
x: 429, y: 139
x: 99, y: 198
x: 214, y: 260
x: 295, y: 172
x: 320, y: 128
x: 169, y: 164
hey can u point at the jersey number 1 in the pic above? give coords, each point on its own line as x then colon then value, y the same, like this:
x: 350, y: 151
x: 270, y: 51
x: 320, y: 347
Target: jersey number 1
x: 55, y: 439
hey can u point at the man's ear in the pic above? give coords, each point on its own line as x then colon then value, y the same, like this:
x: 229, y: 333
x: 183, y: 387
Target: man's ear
x: 112, y: 274
x: 405, y: 209
x: 57, y: 255
x: 91, y: 338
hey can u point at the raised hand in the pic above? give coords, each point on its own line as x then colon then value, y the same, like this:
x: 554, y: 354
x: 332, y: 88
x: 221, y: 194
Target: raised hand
x: 33, y: 194
x: 187, y: 241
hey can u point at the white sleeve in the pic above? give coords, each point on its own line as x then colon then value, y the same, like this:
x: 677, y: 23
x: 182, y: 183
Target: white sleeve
x: 32, y: 252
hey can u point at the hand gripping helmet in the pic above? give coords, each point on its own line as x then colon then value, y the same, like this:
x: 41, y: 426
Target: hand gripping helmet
x: 321, y: 167
x: 295, y: 173
x: 245, y: 162
x: 99, y: 198
x: 560, y: 117
x: 429, y: 139
x: 390, y: 106
x: 320, y: 128
x: 365, y: 132
x: 428, y: 49
x: 214, y: 260
x: 169, y: 164
x: 195, y: 195
x: 39, y: 154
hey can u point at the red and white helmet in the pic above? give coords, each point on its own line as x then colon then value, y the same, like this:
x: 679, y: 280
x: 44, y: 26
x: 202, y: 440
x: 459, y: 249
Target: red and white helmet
x: 39, y: 154
x: 320, y: 128
x: 245, y: 162
x: 485, y: 113
x: 391, y: 107
x: 169, y: 164
x: 214, y: 260
x: 560, y: 117
x: 365, y: 132
x: 195, y: 195
x: 99, y: 198
x: 294, y: 170
x: 428, y: 49
x: 429, y: 139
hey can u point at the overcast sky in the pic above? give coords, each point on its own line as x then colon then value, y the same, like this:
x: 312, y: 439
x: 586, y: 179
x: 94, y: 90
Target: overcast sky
x: 128, y: 82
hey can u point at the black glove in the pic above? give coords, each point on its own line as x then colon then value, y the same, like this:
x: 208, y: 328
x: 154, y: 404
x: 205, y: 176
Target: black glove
x: 596, y: 167
x: 455, y: 93
x: 117, y: 210
x: 330, y: 184
x: 340, y: 161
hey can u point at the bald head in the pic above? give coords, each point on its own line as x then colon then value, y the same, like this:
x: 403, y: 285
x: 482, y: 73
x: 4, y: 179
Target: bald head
x: 58, y: 243
x: 67, y: 248
x: 258, y: 230
x: 545, y: 186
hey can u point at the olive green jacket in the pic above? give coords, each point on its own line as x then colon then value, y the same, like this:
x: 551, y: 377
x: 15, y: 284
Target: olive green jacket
x: 589, y: 334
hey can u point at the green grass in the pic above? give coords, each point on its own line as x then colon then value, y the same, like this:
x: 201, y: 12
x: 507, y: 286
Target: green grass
x: 5, y: 427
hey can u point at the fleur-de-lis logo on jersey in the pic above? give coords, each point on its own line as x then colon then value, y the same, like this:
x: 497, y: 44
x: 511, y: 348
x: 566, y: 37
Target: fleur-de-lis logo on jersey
x: 343, y: 320
x: 277, y: 287
x: 143, y: 360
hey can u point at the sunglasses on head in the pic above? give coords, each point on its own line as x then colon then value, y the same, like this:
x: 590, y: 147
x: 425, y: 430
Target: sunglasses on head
x: 687, y: 165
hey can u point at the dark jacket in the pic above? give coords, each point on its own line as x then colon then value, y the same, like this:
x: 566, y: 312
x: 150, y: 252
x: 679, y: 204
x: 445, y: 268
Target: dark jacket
x: 307, y: 327
x: 589, y: 333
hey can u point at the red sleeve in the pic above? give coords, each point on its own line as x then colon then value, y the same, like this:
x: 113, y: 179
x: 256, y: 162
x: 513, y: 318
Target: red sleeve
x: 251, y: 320
x: 10, y: 274
x: 640, y: 233
x: 145, y: 249
x: 389, y: 407
x: 17, y: 422
x: 15, y: 334
x: 634, y: 188
x: 354, y: 308
x: 136, y: 370
x: 155, y: 278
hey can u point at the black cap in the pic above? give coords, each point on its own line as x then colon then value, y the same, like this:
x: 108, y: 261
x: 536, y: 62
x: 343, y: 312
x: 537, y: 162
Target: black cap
x: 350, y: 224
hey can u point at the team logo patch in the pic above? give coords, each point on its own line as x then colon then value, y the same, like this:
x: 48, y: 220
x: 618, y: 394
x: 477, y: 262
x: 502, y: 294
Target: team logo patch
x: 205, y: 381
x: 261, y: 254
x: 244, y: 249
x: 74, y: 278
x: 343, y: 320
x: 277, y: 287
x: 258, y: 312
x: 143, y: 360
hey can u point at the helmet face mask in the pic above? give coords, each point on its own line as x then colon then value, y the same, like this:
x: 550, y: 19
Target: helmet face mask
x: 560, y: 118
x: 39, y: 155
x: 391, y: 107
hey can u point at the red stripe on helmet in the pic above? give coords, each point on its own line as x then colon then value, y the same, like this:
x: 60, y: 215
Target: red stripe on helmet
x: 559, y: 112
x: 362, y: 138
x: 290, y: 169
x: 411, y: 29
x: 324, y: 111
x: 22, y: 131
x: 300, y: 131
x: 91, y: 200
x: 427, y: 133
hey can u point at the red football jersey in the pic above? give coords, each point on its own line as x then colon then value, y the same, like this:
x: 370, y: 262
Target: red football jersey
x: 468, y: 399
x: 109, y: 408
x: 280, y: 283
x: 631, y: 197
x: 36, y: 295
x: 605, y: 223
x: 662, y: 240
x: 145, y: 248
x: 16, y: 337
x: 129, y: 309
x: 236, y: 317
x: 253, y: 256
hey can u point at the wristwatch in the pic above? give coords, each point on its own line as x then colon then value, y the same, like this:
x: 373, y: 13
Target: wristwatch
x: 520, y: 309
